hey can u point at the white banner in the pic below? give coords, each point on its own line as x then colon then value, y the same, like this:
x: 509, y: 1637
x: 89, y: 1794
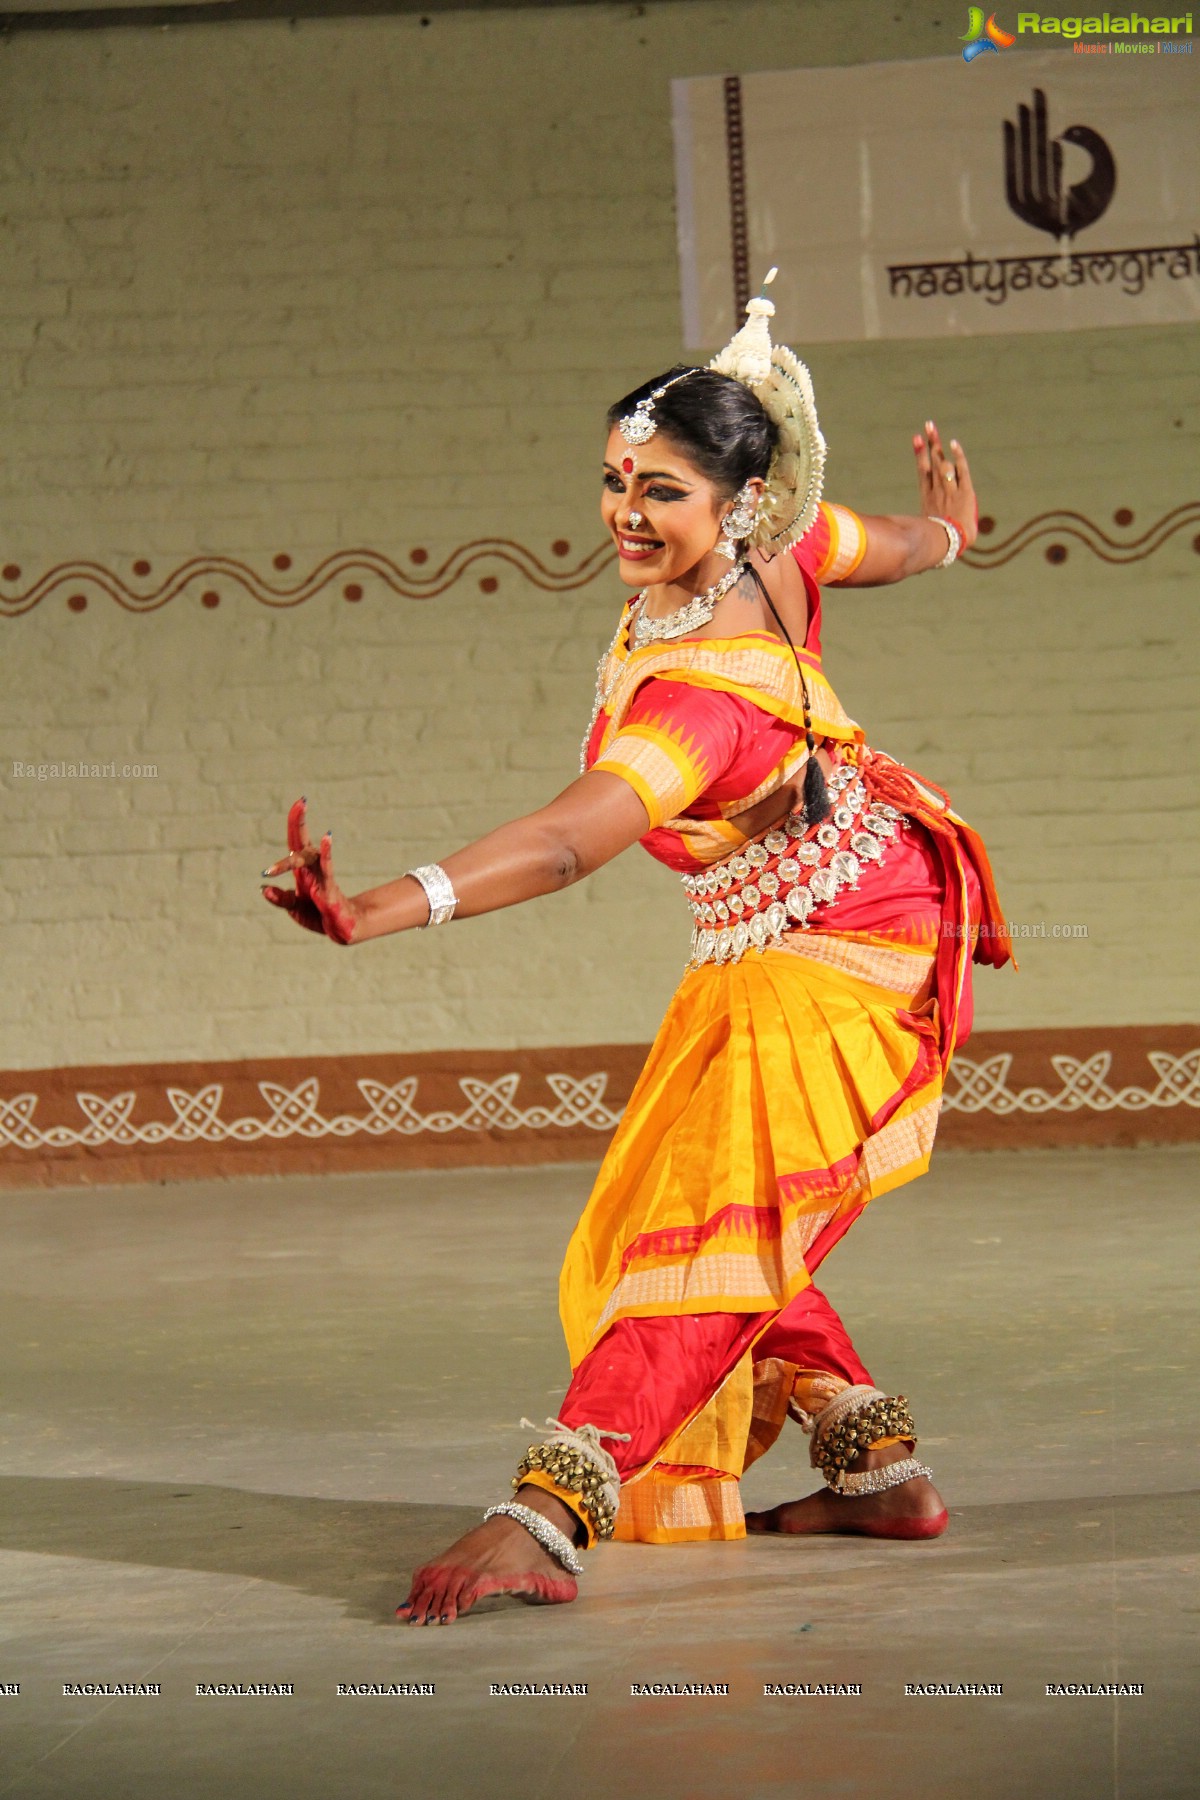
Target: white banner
x: 1031, y: 191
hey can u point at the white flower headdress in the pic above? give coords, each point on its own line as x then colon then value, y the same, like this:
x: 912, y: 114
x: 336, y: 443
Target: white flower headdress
x: 781, y: 382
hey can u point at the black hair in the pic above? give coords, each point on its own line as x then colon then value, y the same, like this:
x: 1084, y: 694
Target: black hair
x: 719, y: 423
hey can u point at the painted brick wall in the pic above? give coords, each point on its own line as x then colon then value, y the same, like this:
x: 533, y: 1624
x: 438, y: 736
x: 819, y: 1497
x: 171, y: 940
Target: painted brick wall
x: 279, y: 291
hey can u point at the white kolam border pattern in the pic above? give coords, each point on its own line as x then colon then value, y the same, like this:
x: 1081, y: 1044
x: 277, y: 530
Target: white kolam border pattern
x: 579, y: 1102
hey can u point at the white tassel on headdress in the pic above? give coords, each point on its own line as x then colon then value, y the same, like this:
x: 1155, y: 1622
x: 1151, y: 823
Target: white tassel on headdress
x: 784, y: 386
x: 747, y: 355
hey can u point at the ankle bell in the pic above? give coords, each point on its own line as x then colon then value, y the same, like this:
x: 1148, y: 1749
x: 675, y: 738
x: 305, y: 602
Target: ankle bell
x: 854, y: 1421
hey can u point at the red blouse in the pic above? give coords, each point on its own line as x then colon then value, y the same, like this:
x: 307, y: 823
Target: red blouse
x: 696, y: 754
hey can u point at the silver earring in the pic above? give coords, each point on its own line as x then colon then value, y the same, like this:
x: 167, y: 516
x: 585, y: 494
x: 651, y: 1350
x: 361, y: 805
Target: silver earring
x: 736, y: 525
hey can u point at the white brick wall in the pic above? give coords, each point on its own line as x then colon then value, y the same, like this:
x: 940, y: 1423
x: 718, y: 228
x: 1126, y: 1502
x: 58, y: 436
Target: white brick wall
x: 268, y: 289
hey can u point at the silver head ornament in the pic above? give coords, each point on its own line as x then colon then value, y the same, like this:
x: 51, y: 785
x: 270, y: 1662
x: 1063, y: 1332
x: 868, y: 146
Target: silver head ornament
x: 637, y: 427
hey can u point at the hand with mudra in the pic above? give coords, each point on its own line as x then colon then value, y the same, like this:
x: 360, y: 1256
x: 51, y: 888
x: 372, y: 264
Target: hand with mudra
x: 316, y: 902
x: 947, y: 492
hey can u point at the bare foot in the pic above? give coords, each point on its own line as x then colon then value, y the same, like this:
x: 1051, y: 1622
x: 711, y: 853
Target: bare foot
x: 914, y: 1509
x: 497, y: 1557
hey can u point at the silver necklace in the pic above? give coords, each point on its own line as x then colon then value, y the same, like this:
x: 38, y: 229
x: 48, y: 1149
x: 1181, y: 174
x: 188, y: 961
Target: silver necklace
x: 689, y: 617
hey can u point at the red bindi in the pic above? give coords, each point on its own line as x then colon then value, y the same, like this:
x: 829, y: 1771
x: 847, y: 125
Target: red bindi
x: 627, y: 465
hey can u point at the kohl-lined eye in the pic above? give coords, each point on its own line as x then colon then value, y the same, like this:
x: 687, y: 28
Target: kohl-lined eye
x: 665, y: 493
x: 612, y: 482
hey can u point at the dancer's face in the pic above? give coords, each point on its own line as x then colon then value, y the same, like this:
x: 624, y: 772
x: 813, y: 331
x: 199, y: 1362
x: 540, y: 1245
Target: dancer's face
x: 681, y: 511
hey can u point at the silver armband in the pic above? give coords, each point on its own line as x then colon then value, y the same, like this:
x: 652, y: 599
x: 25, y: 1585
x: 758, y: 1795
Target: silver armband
x: 439, y: 891
x: 954, y: 534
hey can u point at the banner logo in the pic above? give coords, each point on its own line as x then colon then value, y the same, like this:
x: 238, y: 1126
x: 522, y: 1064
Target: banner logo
x: 980, y: 36
x: 1033, y: 173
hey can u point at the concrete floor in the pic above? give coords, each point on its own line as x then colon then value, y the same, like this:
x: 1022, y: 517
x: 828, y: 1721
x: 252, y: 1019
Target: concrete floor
x: 238, y: 1413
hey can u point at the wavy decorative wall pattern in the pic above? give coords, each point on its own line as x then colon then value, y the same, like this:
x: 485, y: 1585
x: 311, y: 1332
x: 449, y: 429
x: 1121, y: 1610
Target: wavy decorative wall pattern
x: 1067, y: 524
x: 80, y: 580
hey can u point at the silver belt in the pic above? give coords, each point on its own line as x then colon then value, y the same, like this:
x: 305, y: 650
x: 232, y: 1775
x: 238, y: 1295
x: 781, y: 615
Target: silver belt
x: 771, y: 885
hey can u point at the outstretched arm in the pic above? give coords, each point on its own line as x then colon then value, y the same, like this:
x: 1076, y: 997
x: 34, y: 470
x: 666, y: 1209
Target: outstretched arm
x: 589, y: 823
x: 900, y: 544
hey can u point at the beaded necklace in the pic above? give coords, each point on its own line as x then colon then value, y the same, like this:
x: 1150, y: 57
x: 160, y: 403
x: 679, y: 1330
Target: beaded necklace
x: 689, y: 617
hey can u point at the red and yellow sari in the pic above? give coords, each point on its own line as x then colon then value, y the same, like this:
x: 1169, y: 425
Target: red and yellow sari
x: 783, y: 1091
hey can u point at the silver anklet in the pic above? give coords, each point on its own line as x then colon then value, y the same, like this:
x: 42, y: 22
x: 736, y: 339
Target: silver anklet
x: 439, y: 891
x: 538, y: 1526
x: 877, y: 1481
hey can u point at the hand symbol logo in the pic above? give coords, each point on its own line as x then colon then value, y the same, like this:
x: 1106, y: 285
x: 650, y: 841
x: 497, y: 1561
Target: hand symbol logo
x: 1033, y: 164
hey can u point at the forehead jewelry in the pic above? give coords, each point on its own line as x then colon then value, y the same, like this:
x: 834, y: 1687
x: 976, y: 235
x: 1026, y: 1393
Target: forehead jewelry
x: 637, y: 427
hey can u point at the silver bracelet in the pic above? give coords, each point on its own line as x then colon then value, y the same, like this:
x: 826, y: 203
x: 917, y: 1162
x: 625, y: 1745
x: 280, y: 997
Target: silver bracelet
x: 877, y: 1481
x: 439, y: 891
x: 538, y: 1526
x: 954, y: 534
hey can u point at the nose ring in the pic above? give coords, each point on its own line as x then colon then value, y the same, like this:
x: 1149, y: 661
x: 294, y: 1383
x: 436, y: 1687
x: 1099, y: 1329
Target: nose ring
x: 635, y: 519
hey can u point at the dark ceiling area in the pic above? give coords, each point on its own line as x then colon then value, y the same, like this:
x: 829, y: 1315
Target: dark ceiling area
x: 159, y: 13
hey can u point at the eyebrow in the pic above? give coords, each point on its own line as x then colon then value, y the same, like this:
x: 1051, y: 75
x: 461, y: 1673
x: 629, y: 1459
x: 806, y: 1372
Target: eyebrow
x: 650, y: 474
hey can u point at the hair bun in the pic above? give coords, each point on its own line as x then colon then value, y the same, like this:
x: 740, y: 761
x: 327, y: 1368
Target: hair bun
x: 783, y: 386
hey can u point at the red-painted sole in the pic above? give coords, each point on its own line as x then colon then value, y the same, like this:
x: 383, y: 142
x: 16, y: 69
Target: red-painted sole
x: 904, y: 1528
x: 912, y: 1530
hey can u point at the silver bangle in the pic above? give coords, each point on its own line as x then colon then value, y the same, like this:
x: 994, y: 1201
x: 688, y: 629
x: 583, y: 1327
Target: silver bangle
x: 538, y: 1526
x: 877, y: 1481
x: 955, y: 536
x: 439, y: 891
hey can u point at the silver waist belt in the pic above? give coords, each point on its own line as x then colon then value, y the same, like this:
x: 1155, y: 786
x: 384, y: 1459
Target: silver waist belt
x: 772, y: 884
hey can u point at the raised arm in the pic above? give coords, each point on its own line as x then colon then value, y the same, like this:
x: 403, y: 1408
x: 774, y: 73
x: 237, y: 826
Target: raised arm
x: 589, y: 823
x: 901, y: 544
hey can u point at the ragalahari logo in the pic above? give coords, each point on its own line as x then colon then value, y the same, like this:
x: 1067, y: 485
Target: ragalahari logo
x: 980, y: 36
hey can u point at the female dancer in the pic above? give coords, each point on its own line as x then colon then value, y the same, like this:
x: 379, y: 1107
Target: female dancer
x: 837, y: 903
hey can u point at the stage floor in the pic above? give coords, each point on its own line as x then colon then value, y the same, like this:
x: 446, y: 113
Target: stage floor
x: 238, y: 1413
